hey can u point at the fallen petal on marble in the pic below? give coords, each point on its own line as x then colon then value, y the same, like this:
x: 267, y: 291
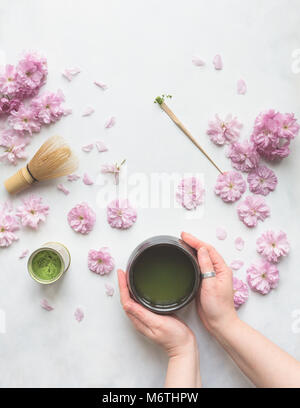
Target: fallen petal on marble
x: 221, y: 233
x: 239, y: 243
x: 62, y: 188
x: 79, y: 315
x: 109, y: 289
x: 69, y: 73
x: 217, y: 61
x: 101, y: 85
x: 101, y: 146
x: 241, y: 87
x: 73, y: 177
x: 88, y: 148
x: 87, y: 180
x: 110, y: 123
x: 45, y: 305
x: 198, y: 62
x: 24, y: 254
x: 236, y: 265
x: 88, y: 111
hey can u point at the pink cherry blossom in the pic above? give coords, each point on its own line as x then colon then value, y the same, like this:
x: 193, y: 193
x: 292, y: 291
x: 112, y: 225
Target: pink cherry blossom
x: 87, y: 180
x: 63, y: 189
x: 110, y: 123
x: 217, y: 61
x: 113, y: 169
x: 8, y: 84
x: 45, y: 305
x: 224, y: 131
x: 69, y: 73
x: 101, y: 146
x: 262, y: 277
x: 262, y: 180
x: 240, y: 292
x: 253, y: 209
x: 82, y: 218
x: 109, y: 290
x: 241, y: 87
x: 14, y: 146
x: 236, y: 264
x: 100, y: 261
x: 24, y: 120
x: 8, y: 225
x: 88, y: 148
x: 48, y: 107
x: 8, y: 105
x: 31, y: 74
x: 79, y: 314
x: 190, y: 193
x: 198, y: 62
x: 230, y: 186
x: 273, y: 245
x: 101, y: 85
x: 88, y: 111
x: 120, y: 214
x: 273, y: 132
x: 32, y: 211
x: 239, y: 243
x: 221, y: 233
x: 244, y: 156
x: 73, y: 177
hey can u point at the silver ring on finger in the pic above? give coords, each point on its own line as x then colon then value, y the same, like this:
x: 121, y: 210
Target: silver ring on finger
x: 210, y: 274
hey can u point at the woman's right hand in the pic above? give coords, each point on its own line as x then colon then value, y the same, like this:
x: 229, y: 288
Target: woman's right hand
x: 215, y: 300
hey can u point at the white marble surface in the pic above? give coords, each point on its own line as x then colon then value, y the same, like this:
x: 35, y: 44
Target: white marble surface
x: 141, y: 49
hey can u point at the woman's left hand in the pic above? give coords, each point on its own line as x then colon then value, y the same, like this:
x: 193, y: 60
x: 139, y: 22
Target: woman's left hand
x: 168, y: 331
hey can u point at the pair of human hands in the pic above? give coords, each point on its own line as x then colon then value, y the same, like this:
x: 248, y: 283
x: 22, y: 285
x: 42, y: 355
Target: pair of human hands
x: 214, y: 303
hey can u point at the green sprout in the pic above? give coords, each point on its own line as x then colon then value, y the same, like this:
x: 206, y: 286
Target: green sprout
x: 160, y: 99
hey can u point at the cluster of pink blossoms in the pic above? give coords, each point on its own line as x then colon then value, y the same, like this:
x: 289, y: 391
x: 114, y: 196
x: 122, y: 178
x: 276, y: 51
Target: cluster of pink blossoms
x: 230, y: 186
x: 224, y: 131
x: 240, y: 292
x: 25, y: 117
x: 100, y: 261
x: 29, y: 214
x: 190, y: 193
x: 273, y: 132
x: 253, y: 209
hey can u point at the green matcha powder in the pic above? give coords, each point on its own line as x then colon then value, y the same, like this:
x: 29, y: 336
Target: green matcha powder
x: 46, y: 265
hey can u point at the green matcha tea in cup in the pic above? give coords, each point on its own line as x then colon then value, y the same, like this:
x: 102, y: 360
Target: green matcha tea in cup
x: 48, y: 263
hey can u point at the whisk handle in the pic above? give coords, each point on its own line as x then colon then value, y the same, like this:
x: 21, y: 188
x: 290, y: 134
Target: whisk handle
x: 19, y: 181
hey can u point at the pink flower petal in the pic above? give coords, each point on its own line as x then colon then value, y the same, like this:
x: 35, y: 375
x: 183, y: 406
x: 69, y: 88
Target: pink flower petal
x: 236, y: 265
x: 69, y: 73
x: 24, y: 254
x: 45, y: 305
x: 109, y: 289
x: 241, y: 87
x: 217, y: 61
x: 67, y: 111
x: 221, y: 233
x: 88, y: 111
x: 79, y: 315
x: 62, y: 188
x: 101, y: 146
x: 87, y: 180
x: 198, y: 62
x: 240, y: 292
x: 110, y: 123
x: 73, y: 177
x: 88, y: 148
x: 101, y: 85
x: 239, y: 243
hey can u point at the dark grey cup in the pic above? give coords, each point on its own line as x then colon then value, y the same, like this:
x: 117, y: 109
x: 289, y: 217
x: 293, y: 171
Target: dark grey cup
x: 163, y: 240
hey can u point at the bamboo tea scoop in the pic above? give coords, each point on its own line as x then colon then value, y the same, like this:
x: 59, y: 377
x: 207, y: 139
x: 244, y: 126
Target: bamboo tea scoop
x: 164, y: 107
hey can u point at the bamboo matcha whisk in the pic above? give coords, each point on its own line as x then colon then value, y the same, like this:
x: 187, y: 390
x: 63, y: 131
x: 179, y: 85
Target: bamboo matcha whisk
x: 53, y: 159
